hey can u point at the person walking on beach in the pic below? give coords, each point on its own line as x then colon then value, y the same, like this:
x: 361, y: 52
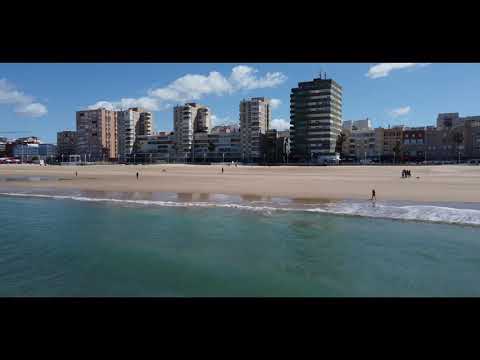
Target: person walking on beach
x: 374, y: 198
x: 76, y: 173
x: 222, y: 170
x: 137, y: 175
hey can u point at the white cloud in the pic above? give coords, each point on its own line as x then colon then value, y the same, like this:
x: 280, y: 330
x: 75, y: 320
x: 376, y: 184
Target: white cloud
x: 32, y: 110
x: 401, y: 111
x: 280, y: 124
x: 194, y: 86
x: 23, y: 104
x: 147, y: 103
x: 275, y: 103
x: 384, y: 69
x: 244, y: 77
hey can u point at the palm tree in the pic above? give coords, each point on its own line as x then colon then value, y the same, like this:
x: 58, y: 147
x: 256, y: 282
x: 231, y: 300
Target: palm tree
x: 397, y: 149
x: 211, y: 146
x: 340, y: 140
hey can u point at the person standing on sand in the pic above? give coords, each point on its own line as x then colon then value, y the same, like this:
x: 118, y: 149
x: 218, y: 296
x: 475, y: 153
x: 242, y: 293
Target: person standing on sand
x: 222, y: 170
x: 374, y: 198
x: 76, y: 173
x: 137, y: 175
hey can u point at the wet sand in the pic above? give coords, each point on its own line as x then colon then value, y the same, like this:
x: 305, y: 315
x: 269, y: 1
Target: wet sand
x: 458, y: 183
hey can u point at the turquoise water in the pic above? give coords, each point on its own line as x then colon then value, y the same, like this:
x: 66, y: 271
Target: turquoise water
x: 62, y: 247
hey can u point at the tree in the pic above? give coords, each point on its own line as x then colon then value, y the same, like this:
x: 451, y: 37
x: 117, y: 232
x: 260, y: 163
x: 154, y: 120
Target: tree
x: 397, y: 149
x: 340, y: 140
x: 211, y: 146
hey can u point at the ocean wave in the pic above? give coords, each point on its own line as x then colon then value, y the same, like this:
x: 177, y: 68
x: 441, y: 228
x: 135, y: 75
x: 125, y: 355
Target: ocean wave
x: 427, y: 213
x: 152, y: 202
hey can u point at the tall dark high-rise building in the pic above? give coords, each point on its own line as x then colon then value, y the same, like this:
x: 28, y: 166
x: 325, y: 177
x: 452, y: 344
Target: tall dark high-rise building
x: 316, y: 119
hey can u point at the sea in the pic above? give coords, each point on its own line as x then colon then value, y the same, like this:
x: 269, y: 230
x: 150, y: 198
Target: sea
x: 57, y: 243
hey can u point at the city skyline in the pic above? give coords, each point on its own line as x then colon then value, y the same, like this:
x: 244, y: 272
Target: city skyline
x: 41, y: 99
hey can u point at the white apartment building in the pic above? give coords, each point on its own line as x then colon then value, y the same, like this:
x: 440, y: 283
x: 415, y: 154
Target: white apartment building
x: 189, y: 119
x: 153, y: 148
x: 360, y: 139
x: 126, y: 124
x: 364, y: 124
x: 255, y: 119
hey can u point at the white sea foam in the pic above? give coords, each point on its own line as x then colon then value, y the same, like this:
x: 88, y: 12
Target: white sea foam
x: 407, y: 212
x: 428, y: 213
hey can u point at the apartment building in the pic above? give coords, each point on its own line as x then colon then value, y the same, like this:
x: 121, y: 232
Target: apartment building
x: 392, y: 143
x: 154, y: 148
x: 189, y: 119
x: 472, y: 138
x: 255, y: 119
x: 277, y: 146
x: 97, y: 134
x: 413, y: 144
x: 218, y: 146
x: 145, y: 125
x: 127, y: 127
x: 66, y: 143
x: 364, y: 144
x: 3, y: 146
x: 353, y: 125
x: 449, y: 120
x: 316, y: 119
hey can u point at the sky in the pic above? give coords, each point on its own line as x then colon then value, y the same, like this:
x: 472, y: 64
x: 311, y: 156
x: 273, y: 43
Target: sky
x: 41, y: 99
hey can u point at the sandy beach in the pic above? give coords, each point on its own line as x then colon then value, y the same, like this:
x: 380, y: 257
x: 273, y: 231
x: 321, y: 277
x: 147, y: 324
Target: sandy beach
x: 435, y: 183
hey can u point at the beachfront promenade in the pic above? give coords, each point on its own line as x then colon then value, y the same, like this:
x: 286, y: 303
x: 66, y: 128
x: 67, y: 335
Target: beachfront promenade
x: 458, y: 183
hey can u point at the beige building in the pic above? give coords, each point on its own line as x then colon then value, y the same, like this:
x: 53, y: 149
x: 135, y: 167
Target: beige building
x: 391, y: 138
x: 189, y: 119
x: 359, y: 140
x: 255, y: 118
x: 96, y: 134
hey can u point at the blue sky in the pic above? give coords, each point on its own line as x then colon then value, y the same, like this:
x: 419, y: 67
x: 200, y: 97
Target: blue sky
x: 41, y: 99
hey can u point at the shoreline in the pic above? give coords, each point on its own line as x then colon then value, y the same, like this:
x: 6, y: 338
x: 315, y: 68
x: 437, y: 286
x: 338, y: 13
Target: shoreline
x: 446, y: 213
x: 441, y: 183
